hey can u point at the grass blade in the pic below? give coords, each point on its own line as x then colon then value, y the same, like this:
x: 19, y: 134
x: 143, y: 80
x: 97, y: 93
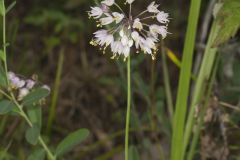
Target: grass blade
x: 204, y: 75
x: 184, y: 82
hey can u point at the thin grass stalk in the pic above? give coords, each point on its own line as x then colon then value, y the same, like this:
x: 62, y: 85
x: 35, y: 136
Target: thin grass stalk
x: 200, y: 87
x: 153, y: 110
x: 128, y: 106
x: 184, y: 82
x: 4, y: 41
x: 166, y: 79
x: 52, y: 109
x: 203, y: 112
x: 152, y: 103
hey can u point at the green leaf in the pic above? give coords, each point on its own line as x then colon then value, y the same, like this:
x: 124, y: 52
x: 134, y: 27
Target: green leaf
x: 184, y: 83
x: 37, y: 155
x: 6, y: 107
x: 228, y: 18
x: 32, y: 134
x: 2, y: 7
x: 35, y: 96
x: 71, y: 141
x: 133, y: 153
x: 35, y: 115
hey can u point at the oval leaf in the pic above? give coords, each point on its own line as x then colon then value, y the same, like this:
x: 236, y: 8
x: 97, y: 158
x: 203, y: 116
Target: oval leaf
x: 37, y: 155
x: 35, y: 115
x: 32, y: 134
x: 35, y: 96
x: 71, y: 141
x: 6, y: 107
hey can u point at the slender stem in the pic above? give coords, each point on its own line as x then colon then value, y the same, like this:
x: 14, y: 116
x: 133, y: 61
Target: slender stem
x: 152, y: 104
x: 148, y: 17
x: 24, y: 115
x: 153, y: 110
x: 130, y: 9
x: 140, y: 14
x: 167, y: 85
x: 51, y: 156
x: 52, y: 109
x: 5, y: 94
x: 120, y: 9
x: 146, y: 24
x: 224, y: 104
x: 4, y: 43
x: 128, y: 107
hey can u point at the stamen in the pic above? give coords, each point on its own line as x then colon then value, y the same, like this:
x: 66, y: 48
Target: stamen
x: 130, y: 10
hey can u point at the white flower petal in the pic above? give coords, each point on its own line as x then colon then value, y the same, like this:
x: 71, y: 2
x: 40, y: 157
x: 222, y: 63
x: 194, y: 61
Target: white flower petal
x: 108, y: 2
x: 109, y: 39
x: 101, y: 37
x: 11, y: 75
x: 162, y: 17
x: 130, y: 1
x: 121, y: 33
x: 23, y: 92
x: 100, y: 32
x: 150, y: 43
x: 118, y: 17
x: 124, y: 40
x: 137, y: 24
x: 156, y: 29
x: 153, y: 8
x: 126, y: 51
x: 136, y: 37
x: 106, y: 20
x: 46, y: 87
x: 130, y: 43
x: 30, y: 84
x: 96, y: 12
x: 116, y: 47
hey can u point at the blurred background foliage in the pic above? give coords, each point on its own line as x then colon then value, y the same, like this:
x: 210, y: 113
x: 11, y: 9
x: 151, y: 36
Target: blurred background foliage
x: 50, y: 39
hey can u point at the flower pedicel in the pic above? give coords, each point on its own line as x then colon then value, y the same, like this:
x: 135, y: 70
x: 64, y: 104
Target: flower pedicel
x: 126, y: 31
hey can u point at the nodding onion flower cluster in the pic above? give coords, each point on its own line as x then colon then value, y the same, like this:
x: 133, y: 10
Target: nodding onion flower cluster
x: 22, y: 86
x: 126, y: 30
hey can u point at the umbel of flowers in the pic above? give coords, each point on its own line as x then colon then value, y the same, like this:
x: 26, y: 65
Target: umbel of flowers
x: 125, y: 31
